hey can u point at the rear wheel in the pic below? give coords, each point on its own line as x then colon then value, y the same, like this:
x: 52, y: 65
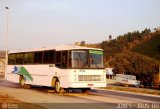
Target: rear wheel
x: 57, y: 86
x: 58, y: 89
x: 22, y: 82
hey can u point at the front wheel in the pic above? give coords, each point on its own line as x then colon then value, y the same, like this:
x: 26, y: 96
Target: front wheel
x: 57, y: 86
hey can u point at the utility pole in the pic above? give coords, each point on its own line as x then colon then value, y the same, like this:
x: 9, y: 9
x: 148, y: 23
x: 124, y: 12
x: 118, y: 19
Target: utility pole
x: 6, y: 41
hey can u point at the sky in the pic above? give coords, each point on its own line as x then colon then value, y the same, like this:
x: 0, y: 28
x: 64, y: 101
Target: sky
x: 43, y: 23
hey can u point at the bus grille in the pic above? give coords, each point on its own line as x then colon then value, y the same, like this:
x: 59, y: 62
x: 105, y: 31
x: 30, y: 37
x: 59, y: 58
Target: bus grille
x: 89, y: 77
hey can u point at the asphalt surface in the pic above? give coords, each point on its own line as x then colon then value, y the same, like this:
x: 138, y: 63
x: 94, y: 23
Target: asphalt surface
x: 128, y: 95
x: 95, y: 99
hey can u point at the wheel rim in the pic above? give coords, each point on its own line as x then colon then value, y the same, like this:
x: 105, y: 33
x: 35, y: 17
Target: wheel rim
x: 57, y: 86
x: 22, y: 81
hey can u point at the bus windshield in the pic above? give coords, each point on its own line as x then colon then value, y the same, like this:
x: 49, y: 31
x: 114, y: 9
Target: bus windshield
x: 96, y: 59
x: 87, y: 59
x: 79, y: 59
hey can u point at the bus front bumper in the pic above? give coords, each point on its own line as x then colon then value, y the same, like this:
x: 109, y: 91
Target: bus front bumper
x: 87, y: 85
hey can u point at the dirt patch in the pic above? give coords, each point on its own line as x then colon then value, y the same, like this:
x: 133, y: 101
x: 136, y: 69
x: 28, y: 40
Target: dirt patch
x: 9, y: 102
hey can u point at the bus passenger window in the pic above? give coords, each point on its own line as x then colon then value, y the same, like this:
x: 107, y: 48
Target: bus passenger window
x: 64, y: 59
x: 12, y: 59
x: 58, y: 59
x: 19, y: 58
x: 48, y: 57
x: 28, y: 58
x: 38, y: 57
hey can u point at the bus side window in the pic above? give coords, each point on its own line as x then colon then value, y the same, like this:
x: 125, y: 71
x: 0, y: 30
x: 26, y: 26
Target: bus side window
x: 58, y: 59
x: 64, y: 59
x: 28, y: 58
x: 69, y: 60
x: 48, y: 57
x: 38, y: 56
x: 12, y: 59
x: 19, y: 58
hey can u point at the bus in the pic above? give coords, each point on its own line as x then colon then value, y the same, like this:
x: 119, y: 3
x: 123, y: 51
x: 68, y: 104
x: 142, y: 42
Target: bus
x: 61, y: 67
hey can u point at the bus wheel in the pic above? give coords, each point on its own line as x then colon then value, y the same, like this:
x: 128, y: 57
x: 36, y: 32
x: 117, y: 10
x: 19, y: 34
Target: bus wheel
x: 23, y: 84
x: 126, y: 85
x: 27, y: 86
x: 57, y: 86
x: 22, y: 81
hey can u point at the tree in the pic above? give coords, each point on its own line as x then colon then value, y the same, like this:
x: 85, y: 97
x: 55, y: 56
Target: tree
x: 82, y: 43
x: 135, y: 64
x: 145, y: 31
x: 158, y: 47
x: 110, y: 37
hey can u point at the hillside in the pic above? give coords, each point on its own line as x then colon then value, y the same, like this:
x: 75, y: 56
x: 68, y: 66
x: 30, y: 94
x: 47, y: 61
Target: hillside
x: 136, y: 53
x: 150, y: 48
x: 145, y: 43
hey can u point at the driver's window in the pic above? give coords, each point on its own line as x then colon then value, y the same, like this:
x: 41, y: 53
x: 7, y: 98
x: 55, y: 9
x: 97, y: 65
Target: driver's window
x: 64, y: 59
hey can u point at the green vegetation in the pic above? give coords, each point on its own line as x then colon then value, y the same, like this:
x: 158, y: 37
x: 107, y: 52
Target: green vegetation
x: 150, y: 47
x: 124, y: 42
x: 136, y: 53
x: 134, y: 64
x: 146, y: 43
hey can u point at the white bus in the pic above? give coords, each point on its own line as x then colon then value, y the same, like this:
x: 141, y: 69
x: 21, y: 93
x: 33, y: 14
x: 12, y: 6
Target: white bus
x: 61, y: 67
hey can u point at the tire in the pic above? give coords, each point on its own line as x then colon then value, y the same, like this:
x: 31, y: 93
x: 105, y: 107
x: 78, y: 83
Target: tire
x: 57, y: 86
x: 126, y: 85
x: 22, y: 82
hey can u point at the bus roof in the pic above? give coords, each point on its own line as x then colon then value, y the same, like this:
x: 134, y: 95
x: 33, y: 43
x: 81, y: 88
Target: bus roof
x: 56, y: 48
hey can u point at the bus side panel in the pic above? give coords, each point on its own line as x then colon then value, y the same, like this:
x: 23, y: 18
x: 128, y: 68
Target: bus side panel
x: 42, y: 74
x: 63, y: 76
x: 11, y: 76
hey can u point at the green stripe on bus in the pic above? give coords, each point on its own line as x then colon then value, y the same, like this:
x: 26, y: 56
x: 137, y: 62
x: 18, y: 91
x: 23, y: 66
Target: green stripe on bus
x: 25, y: 73
x: 95, y: 52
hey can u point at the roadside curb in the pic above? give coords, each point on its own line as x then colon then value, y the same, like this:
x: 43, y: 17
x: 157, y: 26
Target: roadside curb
x: 130, y: 92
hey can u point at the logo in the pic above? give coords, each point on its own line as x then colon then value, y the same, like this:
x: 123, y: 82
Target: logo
x: 9, y: 106
x: 20, y: 70
x: 4, y: 106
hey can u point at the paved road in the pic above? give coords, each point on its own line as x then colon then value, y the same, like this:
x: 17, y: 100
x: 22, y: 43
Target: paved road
x: 96, y: 99
x: 128, y: 96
